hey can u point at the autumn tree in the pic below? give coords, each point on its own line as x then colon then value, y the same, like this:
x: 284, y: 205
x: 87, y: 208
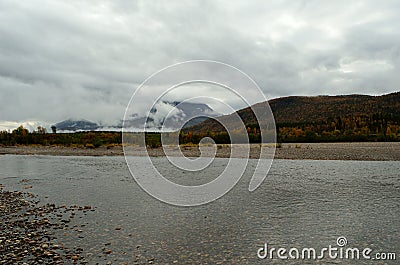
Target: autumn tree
x: 41, y: 130
x: 21, y: 131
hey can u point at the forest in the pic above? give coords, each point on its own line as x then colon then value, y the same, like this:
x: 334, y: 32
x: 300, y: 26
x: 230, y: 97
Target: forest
x: 379, y: 127
x: 92, y: 139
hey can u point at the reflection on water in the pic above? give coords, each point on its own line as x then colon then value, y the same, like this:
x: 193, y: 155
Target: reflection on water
x: 300, y: 204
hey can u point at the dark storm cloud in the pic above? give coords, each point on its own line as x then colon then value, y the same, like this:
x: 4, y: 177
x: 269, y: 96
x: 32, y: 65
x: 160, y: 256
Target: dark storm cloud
x: 62, y: 59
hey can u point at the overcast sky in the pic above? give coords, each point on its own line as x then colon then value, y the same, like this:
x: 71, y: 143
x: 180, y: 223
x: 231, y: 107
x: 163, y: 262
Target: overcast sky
x: 84, y: 59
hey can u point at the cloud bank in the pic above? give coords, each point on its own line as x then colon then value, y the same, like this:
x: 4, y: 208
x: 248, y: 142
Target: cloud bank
x: 83, y: 59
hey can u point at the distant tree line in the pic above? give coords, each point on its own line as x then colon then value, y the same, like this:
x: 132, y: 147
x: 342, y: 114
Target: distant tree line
x: 21, y: 136
x: 354, y: 128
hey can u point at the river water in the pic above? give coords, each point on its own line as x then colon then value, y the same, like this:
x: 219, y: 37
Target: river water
x: 301, y: 204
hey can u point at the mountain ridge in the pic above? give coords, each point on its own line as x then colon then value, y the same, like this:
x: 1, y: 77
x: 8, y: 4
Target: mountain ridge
x: 186, y: 109
x: 76, y: 125
x: 309, y: 115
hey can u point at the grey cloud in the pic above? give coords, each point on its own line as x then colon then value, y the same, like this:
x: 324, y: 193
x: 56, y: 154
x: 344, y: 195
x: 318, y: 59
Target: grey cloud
x: 85, y: 58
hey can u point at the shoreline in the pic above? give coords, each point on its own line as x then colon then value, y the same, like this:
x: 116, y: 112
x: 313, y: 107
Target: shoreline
x: 362, y: 151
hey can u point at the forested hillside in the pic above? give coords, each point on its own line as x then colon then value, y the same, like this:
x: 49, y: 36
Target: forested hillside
x: 298, y: 119
x: 324, y: 118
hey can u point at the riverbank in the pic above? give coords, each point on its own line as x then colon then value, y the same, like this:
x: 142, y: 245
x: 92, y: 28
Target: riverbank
x: 368, y: 151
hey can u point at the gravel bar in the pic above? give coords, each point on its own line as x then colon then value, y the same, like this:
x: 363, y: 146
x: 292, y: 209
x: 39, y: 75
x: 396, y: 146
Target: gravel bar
x: 366, y: 151
x: 27, y: 234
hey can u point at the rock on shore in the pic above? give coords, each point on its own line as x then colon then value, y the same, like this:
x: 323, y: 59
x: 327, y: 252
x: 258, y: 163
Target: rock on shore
x: 27, y: 235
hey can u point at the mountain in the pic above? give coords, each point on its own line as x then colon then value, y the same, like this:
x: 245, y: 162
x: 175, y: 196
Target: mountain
x: 179, y: 113
x: 320, y: 114
x: 183, y: 113
x: 319, y: 108
x: 76, y: 125
x: 316, y: 118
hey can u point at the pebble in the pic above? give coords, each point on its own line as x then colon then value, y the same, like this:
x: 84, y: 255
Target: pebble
x: 36, y: 242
